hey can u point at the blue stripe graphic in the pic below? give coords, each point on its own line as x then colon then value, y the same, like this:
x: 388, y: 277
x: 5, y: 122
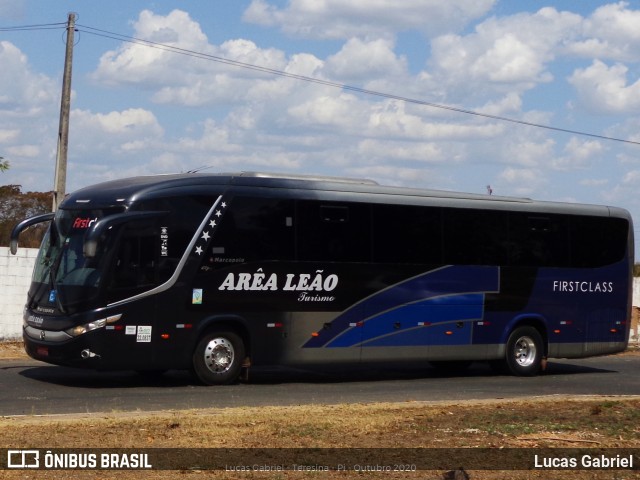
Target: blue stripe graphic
x: 448, y: 294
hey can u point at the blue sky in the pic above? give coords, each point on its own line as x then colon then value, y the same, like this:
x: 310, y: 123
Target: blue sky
x: 137, y: 110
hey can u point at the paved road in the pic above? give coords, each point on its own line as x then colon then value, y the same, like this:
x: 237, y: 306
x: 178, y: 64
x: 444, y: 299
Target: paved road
x: 28, y: 387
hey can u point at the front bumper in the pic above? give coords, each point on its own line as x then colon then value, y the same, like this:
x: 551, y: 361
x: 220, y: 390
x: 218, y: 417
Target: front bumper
x: 59, y: 348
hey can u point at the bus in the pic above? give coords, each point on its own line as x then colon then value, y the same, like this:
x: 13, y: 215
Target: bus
x: 218, y: 273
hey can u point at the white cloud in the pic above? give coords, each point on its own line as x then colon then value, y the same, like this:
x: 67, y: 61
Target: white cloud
x: 129, y: 131
x: 28, y: 102
x: 578, y: 154
x: 7, y: 135
x: 605, y: 89
x: 503, y: 54
x: 214, y: 139
x: 338, y: 19
x: 186, y: 79
x: 594, y: 182
x: 134, y: 63
x: 365, y: 60
x: 423, y: 152
x: 130, y: 123
x: 215, y: 83
x: 631, y: 178
x: 629, y: 130
x: 509, y: 104
x: 390, y: 119
x: 611, y: 32
x: 522, y: 181
x: 530, y: 153
x: 23, y: 93
x: 26, y: 151
x: 625, y: 191
x: 339, y: 111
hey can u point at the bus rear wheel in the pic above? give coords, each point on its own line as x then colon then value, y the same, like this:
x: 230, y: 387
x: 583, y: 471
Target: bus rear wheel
x: 217, y: 359
x: 525, y: 351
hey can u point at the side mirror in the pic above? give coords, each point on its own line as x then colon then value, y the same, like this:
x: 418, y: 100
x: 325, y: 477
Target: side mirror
x: 15, y: 233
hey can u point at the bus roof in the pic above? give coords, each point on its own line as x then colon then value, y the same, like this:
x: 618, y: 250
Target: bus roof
x: 128, y: 191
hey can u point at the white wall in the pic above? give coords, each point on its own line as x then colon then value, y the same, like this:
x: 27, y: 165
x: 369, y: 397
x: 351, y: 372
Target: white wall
x: 15, y: 277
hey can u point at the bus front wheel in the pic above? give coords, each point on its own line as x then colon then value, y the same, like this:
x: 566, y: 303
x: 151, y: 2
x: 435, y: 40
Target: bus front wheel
x: 525, y: 351
x: 217, y: 360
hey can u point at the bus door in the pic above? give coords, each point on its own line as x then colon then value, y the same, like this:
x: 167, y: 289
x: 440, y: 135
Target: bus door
x: 137, y: 268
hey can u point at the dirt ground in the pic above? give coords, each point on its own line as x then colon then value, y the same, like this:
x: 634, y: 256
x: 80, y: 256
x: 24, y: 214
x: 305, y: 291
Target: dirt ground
x: 12, y: 350
x: 485, y: 427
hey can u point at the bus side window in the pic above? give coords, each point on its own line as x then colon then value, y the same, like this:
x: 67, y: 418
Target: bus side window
x: 407, y: 234
x: 475, y: 237
x: 253, y: 229
x: 538, y: 240
x: 334, y: 214
x: 597, y: 241
x: 334, y: 232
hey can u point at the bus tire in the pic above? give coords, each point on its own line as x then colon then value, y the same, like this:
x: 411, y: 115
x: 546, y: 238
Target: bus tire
x: 218, y: 357
x: 525, y: 351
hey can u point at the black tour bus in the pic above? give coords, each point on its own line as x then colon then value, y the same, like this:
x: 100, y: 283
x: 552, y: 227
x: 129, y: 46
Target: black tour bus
x: 219, y: 272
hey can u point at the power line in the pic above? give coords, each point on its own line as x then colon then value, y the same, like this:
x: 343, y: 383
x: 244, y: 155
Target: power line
x: 226, y: 61
x: 271, y: 71
x: 41, y: 26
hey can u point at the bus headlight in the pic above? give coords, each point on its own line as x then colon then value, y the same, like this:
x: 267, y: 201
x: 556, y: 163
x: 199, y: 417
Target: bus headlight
x: 87, y: 327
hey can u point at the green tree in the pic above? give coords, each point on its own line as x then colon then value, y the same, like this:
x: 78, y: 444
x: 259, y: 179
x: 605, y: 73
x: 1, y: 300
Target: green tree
x: 4, y: 164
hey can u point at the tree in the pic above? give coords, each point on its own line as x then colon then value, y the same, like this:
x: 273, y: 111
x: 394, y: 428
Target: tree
x: 4, y: 165
x: 15, y: 206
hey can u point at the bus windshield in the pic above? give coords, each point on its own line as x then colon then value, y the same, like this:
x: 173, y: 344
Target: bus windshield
x: 64, y: 280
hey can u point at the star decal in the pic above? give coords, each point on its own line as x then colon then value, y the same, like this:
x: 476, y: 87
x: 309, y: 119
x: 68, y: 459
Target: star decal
x: 206, y: 235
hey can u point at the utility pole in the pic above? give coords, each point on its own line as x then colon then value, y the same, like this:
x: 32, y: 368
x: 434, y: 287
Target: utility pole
x: 63, y: 127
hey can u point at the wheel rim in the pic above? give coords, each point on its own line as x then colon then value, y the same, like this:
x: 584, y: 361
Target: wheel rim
x: 219, y: 355
x: 525, y: 351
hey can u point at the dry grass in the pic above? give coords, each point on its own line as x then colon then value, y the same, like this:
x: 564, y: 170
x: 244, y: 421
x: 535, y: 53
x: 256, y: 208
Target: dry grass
x: 597, y: 423
x: 12, y: 349
x: 604, y: 422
